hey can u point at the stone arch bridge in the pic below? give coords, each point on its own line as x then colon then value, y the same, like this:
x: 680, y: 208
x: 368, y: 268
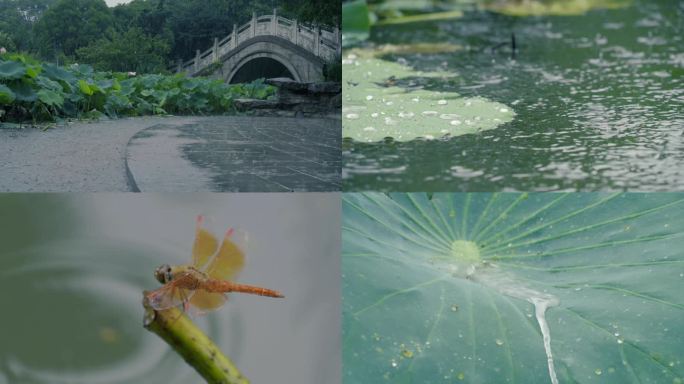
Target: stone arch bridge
x: 268, y: 46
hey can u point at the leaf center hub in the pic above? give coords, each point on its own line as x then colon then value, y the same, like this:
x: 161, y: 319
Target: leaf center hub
x: 464, y: 250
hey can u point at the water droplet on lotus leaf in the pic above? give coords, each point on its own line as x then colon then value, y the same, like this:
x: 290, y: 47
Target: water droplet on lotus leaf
x: 598, y: 371
x: 499, y: 342
x: 407, y: 353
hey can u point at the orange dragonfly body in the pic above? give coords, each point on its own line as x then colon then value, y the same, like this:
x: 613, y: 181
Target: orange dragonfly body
x: 203, y: 284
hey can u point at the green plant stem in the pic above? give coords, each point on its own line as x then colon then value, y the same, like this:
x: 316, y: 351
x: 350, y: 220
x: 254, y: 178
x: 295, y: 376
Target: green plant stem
x: 177, y: 330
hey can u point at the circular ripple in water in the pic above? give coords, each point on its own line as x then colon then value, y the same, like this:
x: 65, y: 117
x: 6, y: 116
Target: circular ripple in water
x: 72, y: 314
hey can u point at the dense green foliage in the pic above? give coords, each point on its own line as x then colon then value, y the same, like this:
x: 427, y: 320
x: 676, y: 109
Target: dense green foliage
x: 39, y: 92
x: 71, y: 24
x: 161, y: 31
x: 132, y: 50
x: 17, y: 21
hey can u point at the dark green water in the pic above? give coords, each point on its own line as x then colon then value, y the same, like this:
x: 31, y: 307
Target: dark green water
x: 73, y: 269
x: 599, y: 101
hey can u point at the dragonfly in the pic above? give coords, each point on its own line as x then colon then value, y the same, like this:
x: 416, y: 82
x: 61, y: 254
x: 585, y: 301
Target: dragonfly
x: 202, y: 286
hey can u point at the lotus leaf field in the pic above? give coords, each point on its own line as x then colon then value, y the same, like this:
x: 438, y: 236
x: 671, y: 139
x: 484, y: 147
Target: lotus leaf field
x: 34, y: 91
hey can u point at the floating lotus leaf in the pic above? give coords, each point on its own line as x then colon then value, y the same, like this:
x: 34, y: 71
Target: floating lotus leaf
x: 513, y: 288
x: 551, y: 7
x: 387, y: 99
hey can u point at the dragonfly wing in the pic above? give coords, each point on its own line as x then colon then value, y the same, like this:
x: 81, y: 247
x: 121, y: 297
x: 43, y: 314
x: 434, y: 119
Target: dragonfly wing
x: 205, y: 245
x: 205, y: 301
x: 229, y: 259
x: 169, y: 295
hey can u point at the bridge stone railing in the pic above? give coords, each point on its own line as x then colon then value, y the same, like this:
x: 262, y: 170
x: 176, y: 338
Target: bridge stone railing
x: 323, y: 43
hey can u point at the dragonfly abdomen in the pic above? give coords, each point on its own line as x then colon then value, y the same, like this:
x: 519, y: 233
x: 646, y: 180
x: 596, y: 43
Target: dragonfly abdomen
x: 223, y: 286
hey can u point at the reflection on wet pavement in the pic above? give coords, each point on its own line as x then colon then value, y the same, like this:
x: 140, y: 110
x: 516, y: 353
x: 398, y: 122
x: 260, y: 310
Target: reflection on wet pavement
x: 238, y: 153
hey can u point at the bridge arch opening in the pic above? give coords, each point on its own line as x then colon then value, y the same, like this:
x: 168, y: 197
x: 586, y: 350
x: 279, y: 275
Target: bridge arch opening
x: 260, y: 67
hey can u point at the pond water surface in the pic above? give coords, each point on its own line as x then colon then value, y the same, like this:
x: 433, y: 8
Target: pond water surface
x: 599, y: 100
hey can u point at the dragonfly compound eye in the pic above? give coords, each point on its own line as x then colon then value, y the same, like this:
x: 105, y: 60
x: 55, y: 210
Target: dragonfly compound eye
x: 163, y: 274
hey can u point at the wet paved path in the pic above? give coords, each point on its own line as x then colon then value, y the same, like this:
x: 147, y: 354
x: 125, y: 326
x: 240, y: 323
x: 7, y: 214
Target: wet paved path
x: 174, y: 154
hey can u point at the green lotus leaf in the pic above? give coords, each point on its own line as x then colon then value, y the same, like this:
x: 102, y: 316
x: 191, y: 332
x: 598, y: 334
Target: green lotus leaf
x: 10, y: 70
x: 50, y: 98
x: 376, y: 107
x: 422, y: 18
x: 85, y: 88
x: 551, y: 7
x: 56, y: 73
x: 513, y: 288
x: 6, y: 95
x: 23, y: 91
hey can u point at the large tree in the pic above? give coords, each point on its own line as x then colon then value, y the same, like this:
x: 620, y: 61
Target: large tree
x: 326, y: 12
x: 17, y: 18
x: 71, y: 24
x: 132, y: 50
x: 195, y: 23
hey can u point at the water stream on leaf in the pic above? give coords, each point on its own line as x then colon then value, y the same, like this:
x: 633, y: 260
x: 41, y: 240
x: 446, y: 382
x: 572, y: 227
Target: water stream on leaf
x: 494, y: 278
x: 491, y: 276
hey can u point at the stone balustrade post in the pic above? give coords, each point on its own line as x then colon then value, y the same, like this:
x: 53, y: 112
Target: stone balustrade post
x: 253, y: 24
x: 317, y: 40
x: 235, y: 36
x: 295, y: 35
x: 338, y: 41
x: 274, y: 23
x: 216, y: 50
x: 197, y: 60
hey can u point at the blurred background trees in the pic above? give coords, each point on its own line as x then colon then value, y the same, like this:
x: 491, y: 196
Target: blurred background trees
x: 142, y: 35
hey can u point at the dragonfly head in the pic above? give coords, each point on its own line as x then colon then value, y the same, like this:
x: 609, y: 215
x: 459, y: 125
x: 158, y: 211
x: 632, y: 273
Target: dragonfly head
x: 163, y: 273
